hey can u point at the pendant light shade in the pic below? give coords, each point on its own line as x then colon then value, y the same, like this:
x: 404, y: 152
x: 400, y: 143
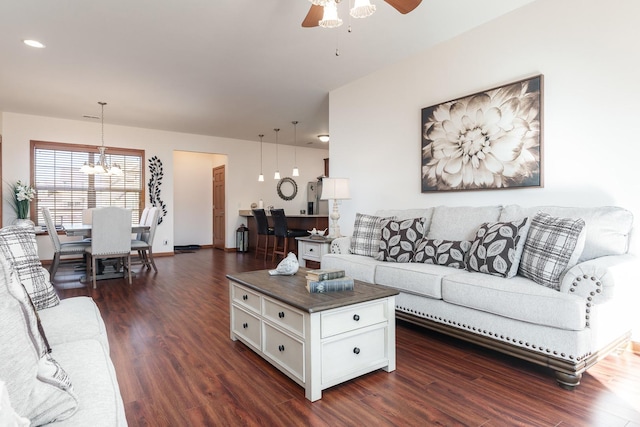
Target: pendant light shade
x: 330, y: 17
x: 295, y: 172
x: 362, y: 9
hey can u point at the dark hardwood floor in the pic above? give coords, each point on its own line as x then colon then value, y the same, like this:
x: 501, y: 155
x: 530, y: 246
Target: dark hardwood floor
x: 177, y: 366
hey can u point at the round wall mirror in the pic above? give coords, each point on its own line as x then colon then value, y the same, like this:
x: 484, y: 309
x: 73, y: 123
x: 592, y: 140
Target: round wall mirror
x: 287, y: 188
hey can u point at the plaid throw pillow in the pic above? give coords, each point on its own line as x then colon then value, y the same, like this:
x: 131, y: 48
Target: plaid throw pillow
x: 551, y: 247
x: 18, y: 245
x: 400, y: 239
x: 366, y: 235
x: 498, y: 247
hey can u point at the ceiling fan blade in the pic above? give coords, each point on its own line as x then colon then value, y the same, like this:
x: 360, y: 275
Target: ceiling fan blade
x: 403, y: 6
x: 314, y: 15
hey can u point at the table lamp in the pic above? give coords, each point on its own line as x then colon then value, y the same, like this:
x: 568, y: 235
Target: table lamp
x: 335, y: 189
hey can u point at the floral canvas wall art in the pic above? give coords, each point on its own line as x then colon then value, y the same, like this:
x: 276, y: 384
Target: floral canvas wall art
x: 489, y: 140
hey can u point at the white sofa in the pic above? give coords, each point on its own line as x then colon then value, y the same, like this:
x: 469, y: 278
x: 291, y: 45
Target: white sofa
x: 567, y: 328
x: 72, y: 384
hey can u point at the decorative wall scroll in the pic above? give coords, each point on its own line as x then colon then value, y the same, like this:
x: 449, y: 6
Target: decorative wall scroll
x: 489, y: 140
x: 156, y: 171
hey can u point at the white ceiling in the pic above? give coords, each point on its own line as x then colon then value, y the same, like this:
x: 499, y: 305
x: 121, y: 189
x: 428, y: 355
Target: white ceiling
x: 228, y: 68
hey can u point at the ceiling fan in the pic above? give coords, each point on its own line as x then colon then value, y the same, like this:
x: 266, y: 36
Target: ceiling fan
x: 324, y: 12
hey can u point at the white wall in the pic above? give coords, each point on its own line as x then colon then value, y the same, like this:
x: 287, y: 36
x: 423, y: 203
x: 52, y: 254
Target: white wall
x: 243, y: 165
x: 193, y: 196
x: 590, y: 57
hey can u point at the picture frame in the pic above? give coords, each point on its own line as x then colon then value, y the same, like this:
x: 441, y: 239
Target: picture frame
x: 489, y: 140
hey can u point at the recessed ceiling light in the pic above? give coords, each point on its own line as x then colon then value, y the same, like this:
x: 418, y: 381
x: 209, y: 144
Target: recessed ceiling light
x: 33, y: 43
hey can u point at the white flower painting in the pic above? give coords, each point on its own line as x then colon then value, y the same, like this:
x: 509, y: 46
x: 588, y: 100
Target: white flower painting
x: 489, y: 140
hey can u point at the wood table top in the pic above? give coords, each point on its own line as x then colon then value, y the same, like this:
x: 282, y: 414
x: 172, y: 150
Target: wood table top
x: 292, y: 290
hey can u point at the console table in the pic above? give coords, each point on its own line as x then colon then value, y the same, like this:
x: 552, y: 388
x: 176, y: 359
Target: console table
x: 317, y: 339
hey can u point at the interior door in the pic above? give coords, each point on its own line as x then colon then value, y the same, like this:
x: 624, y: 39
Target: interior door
x: 218, y: 207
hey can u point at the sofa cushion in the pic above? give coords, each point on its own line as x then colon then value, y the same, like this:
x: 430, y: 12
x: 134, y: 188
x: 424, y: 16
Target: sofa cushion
x: 38, y: 387
x: 357, y: 266
x: 414, y: 278
x: 19, y: 247
x: 460, y: 223
x: 408, y: 214
x: 553, y: 245
x: 400, y: 238
x: 608, y: 227
x: 365, y: 239
x: 95, y: 382
x: 517, y: 298
x: 78, y: 314
x: 498, y: 247
x: 448, y: 253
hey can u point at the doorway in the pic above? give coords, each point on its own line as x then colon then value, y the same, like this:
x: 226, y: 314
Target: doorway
x: 218, y: 177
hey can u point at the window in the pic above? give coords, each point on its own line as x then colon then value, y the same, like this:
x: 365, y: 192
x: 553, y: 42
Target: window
x: 60, y: 186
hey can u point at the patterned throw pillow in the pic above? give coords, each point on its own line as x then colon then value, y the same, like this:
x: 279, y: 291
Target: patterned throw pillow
x: 497, y: 248
x: 449, y: 253
x: 552, y: 246
x: 366, y: 235
x: 19, y: 247
x: 400, y: 239
x: 38, y: 387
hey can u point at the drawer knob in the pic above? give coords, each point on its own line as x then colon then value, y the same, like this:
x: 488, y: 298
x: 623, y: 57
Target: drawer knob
x: 281, y: 347
x: 356, y: 350
x: 245, y: 297
x: 356, y: 317
x: 310, y: 249
x: 281, y: 314
x: 245, y: 325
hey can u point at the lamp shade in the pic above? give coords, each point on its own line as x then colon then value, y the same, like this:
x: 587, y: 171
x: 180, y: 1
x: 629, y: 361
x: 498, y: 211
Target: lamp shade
x: 335, y: 189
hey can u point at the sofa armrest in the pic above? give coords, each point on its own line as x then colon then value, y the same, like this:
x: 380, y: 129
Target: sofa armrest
x: 596, y: 280
x: 340, y: 245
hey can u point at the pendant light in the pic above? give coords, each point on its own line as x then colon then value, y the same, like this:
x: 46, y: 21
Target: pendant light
x: 295, y: 172
x: 277, y: 174
x: 101, y: 167
x: 261, y: 176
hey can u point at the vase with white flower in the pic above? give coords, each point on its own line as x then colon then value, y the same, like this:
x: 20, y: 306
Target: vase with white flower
x: 23, y: 194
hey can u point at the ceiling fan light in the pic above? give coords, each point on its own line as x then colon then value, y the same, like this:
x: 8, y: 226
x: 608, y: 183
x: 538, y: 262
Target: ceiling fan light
x: 362, y: 9
x: 319, y: 2
x: 330, y: 17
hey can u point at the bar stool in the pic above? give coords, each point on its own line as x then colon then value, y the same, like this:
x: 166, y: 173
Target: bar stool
x: 263, y: 230
x: 282, y: 233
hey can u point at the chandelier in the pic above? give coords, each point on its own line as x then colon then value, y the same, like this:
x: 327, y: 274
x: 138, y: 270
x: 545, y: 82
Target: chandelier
x: 101, y: 167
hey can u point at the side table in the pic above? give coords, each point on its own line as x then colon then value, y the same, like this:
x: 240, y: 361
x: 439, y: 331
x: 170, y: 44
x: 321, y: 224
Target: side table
x: 312, y: 249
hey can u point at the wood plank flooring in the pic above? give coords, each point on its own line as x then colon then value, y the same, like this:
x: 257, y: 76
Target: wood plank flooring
x: 177, y: 366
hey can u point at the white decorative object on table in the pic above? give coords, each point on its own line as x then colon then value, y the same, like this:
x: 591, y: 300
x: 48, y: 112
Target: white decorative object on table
x: 287, y: 267
x: 315, y: 232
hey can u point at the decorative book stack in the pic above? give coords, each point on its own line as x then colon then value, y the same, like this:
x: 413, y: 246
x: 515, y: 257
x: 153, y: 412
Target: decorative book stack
x: 328, y: 281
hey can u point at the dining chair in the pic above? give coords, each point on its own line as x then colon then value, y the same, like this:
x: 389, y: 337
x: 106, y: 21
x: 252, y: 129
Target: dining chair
x: 61, y: 249
x: 283, y: 233
x: 143, y: 244
x: 110, y: 237
x: 263, y: 230
x: 143, y: 219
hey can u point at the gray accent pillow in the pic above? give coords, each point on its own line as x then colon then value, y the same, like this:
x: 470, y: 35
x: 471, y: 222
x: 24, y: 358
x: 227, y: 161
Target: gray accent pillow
x: 449, y: 253
x: 497, y: 248
x: 366, y: 235
x: 553, y: 245
x: 400, y: 238
x: 38, y: 387
x: 19, y: 247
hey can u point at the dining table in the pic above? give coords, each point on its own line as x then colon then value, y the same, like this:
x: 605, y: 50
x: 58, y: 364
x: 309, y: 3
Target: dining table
x: 107, y: 268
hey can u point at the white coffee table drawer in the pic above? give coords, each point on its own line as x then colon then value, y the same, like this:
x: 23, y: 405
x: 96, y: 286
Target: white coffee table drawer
x: 286, y: 351
x: 246, y: 297
x: 284, y: 316
x: 246, y: 326
x: 353, y: 317
x: 345, y: 356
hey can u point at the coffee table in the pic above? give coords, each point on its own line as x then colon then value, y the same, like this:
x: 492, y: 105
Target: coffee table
x: 317, y: 339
